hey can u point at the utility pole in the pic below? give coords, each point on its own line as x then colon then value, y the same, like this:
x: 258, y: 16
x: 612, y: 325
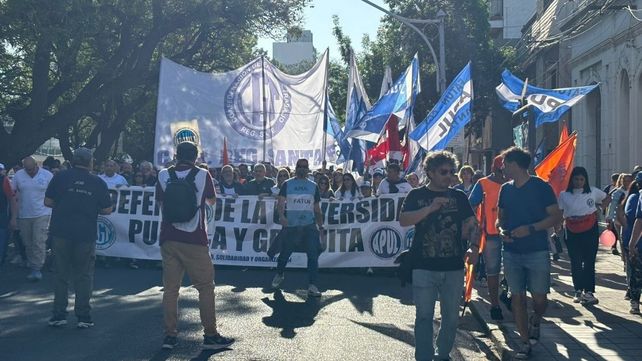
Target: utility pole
x: 440, y: 22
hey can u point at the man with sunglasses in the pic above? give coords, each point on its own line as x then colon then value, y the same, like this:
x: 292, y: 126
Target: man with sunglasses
x: 301, y: 219
x: 443, y: 220
x: 485, y: 194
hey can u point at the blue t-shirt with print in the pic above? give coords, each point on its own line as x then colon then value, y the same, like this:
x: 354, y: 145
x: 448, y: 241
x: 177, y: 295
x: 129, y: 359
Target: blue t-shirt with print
x: 523, y: 206
x: 300, y: 197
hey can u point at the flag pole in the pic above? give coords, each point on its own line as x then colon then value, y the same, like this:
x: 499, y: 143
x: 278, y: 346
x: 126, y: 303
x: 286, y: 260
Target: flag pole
x: 325, y: 108
x: 264, y: 108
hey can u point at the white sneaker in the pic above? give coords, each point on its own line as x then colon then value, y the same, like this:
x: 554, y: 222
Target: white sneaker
x: 635, y: 307
x: 589, y: 299
x: 277, y: 280
x: 577, y: 298
x: 314, y: 291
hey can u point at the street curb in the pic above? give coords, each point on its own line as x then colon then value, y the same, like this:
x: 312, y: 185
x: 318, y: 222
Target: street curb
x: 493, y: 330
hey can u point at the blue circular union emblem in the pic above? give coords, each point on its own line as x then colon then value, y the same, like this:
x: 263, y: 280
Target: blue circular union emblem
x: 106, y: 236
x: 385, y: 243
x: 186, y: 135
x: 244, y: 103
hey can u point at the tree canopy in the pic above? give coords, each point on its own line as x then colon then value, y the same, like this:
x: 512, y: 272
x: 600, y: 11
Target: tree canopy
x: 84, y: 70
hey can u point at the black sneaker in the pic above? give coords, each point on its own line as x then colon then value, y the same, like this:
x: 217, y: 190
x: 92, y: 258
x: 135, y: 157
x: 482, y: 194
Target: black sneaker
x: 216, y: 342
x: 506, y: 300
x: 496, y: 313
x: 57, y: 321
x: 523, y: 352
x: 88, y: 323
x: 169, y: 342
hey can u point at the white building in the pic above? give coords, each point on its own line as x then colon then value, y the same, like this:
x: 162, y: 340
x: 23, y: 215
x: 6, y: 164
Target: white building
x: 296, y: 49
x: 507, y: 17
x: 576, y: 43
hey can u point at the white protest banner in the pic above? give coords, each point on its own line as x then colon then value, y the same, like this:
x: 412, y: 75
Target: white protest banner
x: 364, y: 233
x: 248, y: 108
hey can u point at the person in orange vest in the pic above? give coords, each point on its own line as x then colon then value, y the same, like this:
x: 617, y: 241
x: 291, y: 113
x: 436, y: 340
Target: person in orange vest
x: 483, y: 197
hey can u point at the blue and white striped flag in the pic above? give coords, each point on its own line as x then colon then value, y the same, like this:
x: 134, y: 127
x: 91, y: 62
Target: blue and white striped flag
x: 357, y: 105
x: 548, y: 105
x: 398, y: 100
x: 449, y: 116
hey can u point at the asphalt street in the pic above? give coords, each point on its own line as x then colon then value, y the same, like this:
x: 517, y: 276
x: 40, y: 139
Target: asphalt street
x: 357, y: 318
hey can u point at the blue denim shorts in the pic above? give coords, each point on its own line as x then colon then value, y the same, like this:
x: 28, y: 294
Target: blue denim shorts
x: 493, y: 255
x: 530, y: 271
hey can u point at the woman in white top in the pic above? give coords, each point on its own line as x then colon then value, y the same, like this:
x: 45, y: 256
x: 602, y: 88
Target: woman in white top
x: 579, y: 204
x: 348, y: 190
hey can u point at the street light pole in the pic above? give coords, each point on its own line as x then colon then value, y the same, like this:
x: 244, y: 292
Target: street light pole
x: 441, y: 63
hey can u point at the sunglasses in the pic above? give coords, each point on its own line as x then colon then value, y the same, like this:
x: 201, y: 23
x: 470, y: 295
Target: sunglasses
x: 347, y: 179
x: 283, y: 176
x: 444, y: 172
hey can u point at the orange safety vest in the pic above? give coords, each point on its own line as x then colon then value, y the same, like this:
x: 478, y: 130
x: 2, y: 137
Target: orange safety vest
x: 488, y: 207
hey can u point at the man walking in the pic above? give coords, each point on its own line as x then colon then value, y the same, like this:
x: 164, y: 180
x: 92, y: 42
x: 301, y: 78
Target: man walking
x: 182, y: 192
x: 443, y: 219
x: 77, y: 198
x: 298, y: 208
x: 527, y: 209
x: 260, y: 185
x: 111, y: 176
x: 29, y: 184
x: 485, y: 194
x: 8, y: 211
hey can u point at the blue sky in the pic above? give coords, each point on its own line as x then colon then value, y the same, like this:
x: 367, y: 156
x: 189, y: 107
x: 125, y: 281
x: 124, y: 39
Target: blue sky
x: 356, y: 18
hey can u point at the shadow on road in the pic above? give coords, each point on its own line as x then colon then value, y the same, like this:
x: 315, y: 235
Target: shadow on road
x: 288, y: 315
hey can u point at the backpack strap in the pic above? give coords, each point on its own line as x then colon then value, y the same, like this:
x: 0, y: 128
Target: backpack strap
x: 172, y: 173
x: 191, y: 176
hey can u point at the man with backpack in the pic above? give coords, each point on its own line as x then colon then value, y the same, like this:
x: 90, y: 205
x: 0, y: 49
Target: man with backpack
x: 182, y: 192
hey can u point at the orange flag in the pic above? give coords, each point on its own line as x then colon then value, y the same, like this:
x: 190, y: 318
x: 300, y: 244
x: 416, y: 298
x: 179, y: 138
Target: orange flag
x: 564, y: 133
x: 468, y: 289
x: 225, y: 158
x: 556, y: 167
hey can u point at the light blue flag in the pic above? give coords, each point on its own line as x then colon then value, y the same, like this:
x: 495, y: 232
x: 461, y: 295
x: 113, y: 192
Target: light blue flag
x: 398, y: 100
x: 548, y: 105
x: 449, y: 116
x: 334, y: 130
x: 357, y: 105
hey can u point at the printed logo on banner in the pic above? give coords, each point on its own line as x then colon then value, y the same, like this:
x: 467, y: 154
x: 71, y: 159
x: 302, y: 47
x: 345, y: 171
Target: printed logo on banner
x: 106, y: 234
x: 409, y: 237
x: 244, y: 103
x: 186, y: 135
x: 209, y: 213
x: 385, y: 242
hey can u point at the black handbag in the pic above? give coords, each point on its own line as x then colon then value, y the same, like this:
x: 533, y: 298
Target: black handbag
x: 404, y: 271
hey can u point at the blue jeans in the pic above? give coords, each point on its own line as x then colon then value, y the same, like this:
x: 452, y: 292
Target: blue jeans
x: 301, y: 238
x: 528, y: 271
x: 427, y: 288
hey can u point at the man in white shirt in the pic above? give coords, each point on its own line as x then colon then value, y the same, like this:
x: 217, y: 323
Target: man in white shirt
x: 393, y: 183
x: 29, y: 184
x: 111, y: 176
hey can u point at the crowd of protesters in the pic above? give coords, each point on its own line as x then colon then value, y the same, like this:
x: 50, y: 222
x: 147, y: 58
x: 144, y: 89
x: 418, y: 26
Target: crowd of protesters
x: 517, y: 246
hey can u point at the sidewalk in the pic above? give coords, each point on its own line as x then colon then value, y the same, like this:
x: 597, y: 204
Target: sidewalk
x: 569, y: 330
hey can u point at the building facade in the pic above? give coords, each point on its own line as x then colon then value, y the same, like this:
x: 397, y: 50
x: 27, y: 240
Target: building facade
x: 576, y: 43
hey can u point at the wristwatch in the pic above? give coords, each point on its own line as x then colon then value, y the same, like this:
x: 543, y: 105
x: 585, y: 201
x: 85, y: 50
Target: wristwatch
x: 531, y: 229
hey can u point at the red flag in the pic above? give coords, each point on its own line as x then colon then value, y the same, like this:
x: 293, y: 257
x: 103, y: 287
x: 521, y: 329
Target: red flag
x: 389, y: 145
x: 564, y: 133
x: 225, y: 159
x: 556, y: 167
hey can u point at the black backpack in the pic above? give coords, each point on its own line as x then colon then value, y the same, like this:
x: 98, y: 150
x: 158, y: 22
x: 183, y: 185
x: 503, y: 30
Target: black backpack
x: 179, y: 201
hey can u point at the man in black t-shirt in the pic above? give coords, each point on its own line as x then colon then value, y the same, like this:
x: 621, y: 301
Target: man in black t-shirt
x: 77, y: 198
x: 443, y: 220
